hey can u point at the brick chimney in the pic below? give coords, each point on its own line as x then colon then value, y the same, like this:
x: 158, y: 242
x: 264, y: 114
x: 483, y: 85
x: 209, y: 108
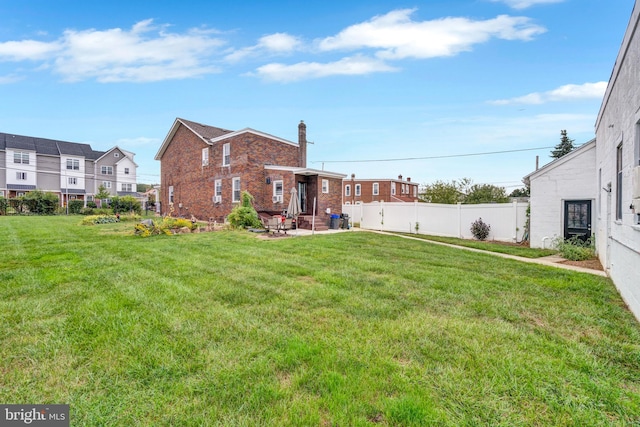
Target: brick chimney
x: 302, y: 143
x: 399, y: 177
x: 408, y: 179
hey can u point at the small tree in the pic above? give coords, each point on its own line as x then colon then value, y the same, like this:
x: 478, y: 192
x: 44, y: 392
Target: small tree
x: 244, y: 215
x: 564, y: 147
x: 102, y: 193
x: 445, y: 192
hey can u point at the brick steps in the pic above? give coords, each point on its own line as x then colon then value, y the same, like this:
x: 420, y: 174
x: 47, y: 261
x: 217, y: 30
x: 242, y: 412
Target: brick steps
x: 305, y: 222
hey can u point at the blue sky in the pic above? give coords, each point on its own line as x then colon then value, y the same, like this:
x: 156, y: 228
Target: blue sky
x: 373, y: 80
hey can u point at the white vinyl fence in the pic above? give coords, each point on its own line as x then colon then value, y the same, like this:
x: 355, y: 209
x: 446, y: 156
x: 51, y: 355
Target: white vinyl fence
x: 507, y: 220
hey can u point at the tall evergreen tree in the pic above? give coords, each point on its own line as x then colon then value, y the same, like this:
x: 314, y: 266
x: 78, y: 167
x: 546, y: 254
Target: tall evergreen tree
x: 565, y: 146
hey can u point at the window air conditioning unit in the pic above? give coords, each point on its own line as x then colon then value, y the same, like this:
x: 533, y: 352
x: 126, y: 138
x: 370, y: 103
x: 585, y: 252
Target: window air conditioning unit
x: 277, y: 199
x: 217, y: 199
x: 636, y: 183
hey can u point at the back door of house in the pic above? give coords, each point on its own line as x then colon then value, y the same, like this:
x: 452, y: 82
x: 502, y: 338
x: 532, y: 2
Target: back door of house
x: 577, y: 219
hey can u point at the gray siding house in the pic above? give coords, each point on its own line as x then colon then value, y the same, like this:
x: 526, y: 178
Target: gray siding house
x: 70, y: 170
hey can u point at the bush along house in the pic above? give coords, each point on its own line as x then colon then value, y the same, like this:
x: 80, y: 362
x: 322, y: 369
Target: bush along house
x: 205, y: 169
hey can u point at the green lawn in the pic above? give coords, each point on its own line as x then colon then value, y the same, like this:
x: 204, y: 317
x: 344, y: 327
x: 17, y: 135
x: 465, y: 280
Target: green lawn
x: 345, y: 329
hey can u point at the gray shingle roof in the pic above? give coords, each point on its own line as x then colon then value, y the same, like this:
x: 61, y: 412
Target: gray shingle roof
x: 205, y: 131
x: 48, y: 146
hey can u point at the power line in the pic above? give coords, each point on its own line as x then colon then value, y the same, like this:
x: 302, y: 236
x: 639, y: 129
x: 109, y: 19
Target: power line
x: 431, y: 157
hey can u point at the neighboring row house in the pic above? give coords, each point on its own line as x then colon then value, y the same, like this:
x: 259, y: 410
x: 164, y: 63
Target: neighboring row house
x: 205, y: 169
x: 68, y: 169
x: 356, y: 191
x: 595, y: 189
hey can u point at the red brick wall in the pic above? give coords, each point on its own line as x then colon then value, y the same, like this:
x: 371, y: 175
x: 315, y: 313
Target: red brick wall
x: 194, y: 184
x: 384, y: 193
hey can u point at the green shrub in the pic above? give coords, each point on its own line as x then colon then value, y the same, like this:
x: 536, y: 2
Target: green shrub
x: 3, y: 206
x: 41, y: 202
x: 244, y: 215
x: 91, y: 204
x: 125, y: 204
x: 99, y: 219
x: 75, y: 206
x: 480, y: 229
x: 575, y: 249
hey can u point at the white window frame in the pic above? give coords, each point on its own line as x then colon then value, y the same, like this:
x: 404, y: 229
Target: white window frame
x: 72, y: 181
x: 375, y: 188
x: 126, y: 187
x: 106, y: 184
x: 171, y: 194
x: 393, y: 188
x: 21, y: 176
x: 1, y: 193
x: 73, y: 164
x: 126, y: 171
x: 358, y: 190
x: 21, y: 157
x: 236, y: 190
x: 278, y: 188
x: 226, y: 154
x: 116, y: 154
x: 106, y: 170
x: 217, y: 195
x: 415, y: 191
x: 205, y: 156
x: 325, y: 186
x: 347, y: 190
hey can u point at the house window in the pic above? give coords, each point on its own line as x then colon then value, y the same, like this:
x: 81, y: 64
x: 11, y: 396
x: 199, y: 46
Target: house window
x: 226, y: 154
x: 205, y: 156
x: 619, y: 183
x: 107, y: 170
x: 73, y: 181
x: 358, y: 189
x: 1, y: 193
x: 415, y: 191
x: 171, y: 194
x: 126, y: 171
x: 347, y: 190
x: 116, y: 154
x: 22, y: 176
x: 235, y: 197
x: 127, y: 187
x: 106, y: 184
x: 73, y: 164
x: 277, y: 190
x: 393, y: 188
x: 325, y: 186
x: 21, y: 157
x: 375, y: 189
x: 218, y: 191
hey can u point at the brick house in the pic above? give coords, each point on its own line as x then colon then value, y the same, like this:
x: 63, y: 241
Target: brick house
x: 204, y: 170
x: 375, y: 190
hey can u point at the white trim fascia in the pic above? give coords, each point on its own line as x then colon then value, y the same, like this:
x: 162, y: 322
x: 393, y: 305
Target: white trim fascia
x: 562, y: 160
x: 253, y: 131
x: 305, y: 171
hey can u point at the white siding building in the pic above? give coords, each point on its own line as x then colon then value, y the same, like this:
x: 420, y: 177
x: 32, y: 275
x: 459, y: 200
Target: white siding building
x: 618, y: 170
x: 563, y: 195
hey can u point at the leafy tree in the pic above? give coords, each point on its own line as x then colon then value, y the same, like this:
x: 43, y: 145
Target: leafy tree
x: 125, y: 204
x: 486, y: 193
x: 520, y: 192
x: 445, y: 192
x: 564, y: 147
x: 102, y: 193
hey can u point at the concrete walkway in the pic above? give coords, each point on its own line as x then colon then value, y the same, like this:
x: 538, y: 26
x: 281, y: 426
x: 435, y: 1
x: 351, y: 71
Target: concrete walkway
x: 551, y: 261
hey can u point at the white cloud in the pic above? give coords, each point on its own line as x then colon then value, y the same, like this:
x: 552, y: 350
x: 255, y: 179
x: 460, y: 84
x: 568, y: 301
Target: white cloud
x: 137, y: 142
x: 117, y: 55
x: 396, y: 36
x: 524, y: 4
x: 4, y: 80
x: 278, y: 43
x: 568, y: 92
x: 357, y: 65
x: 143, y: 53
x: 27, y: 50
